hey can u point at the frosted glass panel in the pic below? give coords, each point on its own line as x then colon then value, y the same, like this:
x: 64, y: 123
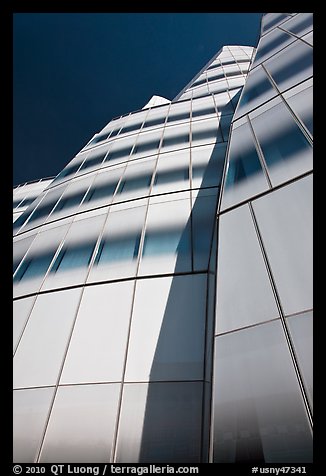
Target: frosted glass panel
x: 81, y: 425
x: 30, y: 409
x: 100, y: 333
x: 285, y: 222
x: 301, y: 331
x: 244, y: 293
x: 168, y: 329
x: 38, y: 360
x: 155, y: 418
x: 259, y: 415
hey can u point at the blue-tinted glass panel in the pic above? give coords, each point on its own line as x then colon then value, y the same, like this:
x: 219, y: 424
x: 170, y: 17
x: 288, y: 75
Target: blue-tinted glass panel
x: 154, y: 122
x: 166, y: 242
x: 227, y: 61
x: 142, y: 147
x: 21, y: 219
x: 99, y: 138
x: 33, y: 267
x: 42, y: 211
x: 16, y: 202
x: 74, y: 257
x: 177, y: 140
x: 283, y: 146
x: 292, y: 67
x: 102, y: 191
x: 118, y: 154
x: 69, y: 170
x: 258, y: 89
x: 27, y: 201
x: 280, y: 40
x: 217, y: 76
x: 200, y: 81
x: 274, y: 22
x: 171, y: 176
x: 210, y: 134
x: 136, y: 183
x: 203, y: 112
x: 114, y: 133
x: 178, y: 117
x: 69, y: 202
x: 216, y: 65
x: 133, y: 127
x: 98, y: 159
x: 299, y: 27
x: 124, y: 248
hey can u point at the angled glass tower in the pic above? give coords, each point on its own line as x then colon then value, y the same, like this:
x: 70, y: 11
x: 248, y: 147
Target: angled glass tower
x: 162, y: 295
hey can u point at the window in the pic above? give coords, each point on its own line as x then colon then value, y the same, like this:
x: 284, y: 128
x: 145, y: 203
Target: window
x: 135, y: 183
x: 99, y: 138
x: 16, y: 202
x: 103, y: 191
x: 162, y: 178
x: 124, y: 248
x: 274, y: 22
x: 178, y: 117
x: 154, y: 122
x: 272, y: 45
x: 203, y: 112
x: 176, y: 140
x: 217, y: 76
x: 69, y: 170
x: 132, y: 127
x: 200, y: 81
x: 33, y: 267
x: 255, y: 89
x: 42, y: 211
x: 90, y: 162
x: 74, y: 257
x: 70, y: 201
x: 209, y: 134
x: 118, y: 154
x: 171, y: 241
x: 143, y: 147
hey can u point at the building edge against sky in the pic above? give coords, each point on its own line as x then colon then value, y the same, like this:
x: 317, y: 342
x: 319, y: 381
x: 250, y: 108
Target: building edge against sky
x: 176, y: 320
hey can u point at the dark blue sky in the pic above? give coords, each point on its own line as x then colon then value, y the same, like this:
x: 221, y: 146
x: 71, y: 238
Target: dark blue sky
x: 74, y: 72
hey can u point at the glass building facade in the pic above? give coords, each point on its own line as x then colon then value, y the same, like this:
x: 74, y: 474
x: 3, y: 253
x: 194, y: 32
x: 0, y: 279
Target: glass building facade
x: 162, y: 281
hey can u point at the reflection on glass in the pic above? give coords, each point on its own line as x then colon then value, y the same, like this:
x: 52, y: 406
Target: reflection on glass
x: 124, y: 248
x: 118, y: 154
x: 42, y: 211
x: 135, y: 183
x: 102, y: 191
x: 171, y: 241
x: 142, y: 147
x: 176, y: 140
x: 269, y: 46
x: 92, y: 161
x: 301, y: 330
x: 163, y: 178
x: 34, y: 266
x: 70, y: 258
x: 259, y: 415
x: 71, y: 201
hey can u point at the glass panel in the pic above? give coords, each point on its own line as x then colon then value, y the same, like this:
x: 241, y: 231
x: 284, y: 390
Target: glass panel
x: 286, y: 150
x: 168, y: 329
x: 167, y: 240
x: 244, y: 293
x: 291, y: 66
x: 144, y: 147
x: 81, y: 425
x: 259, y: 415
x: 70, y: 201
x: 302, y: 104
x: 123, y: 248
x: 301, y: 330
x: 117, y: 254
x: 93, y: 160
x: 207, y: 165
x: 21, y: 310
x: 135, y: 183
x: 245, y: 176
x: 30, y: 409
x: 285, y: 222
x: 270, y: 22
x: 300, y: 24
x: 206, y: 131
x: 258, y: 89
x: 78, y: 256
x: 271, y: 44
x: 203, y: 218
x: 42, y: 348
x: 101, y: 192
x: 100, y: 333
x: 155, y: 418
x: 35, y: 266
